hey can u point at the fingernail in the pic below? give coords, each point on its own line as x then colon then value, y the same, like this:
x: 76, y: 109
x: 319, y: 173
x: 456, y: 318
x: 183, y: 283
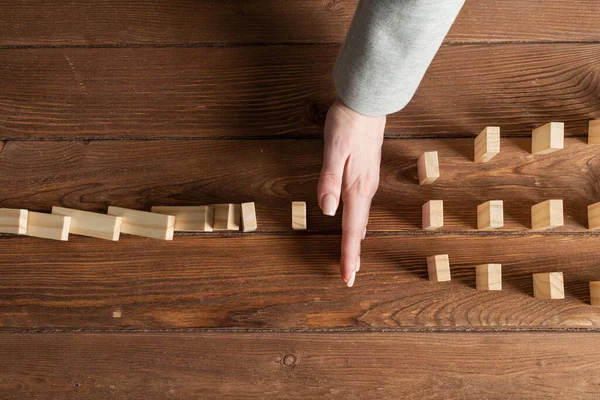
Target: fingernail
x: 329, y: 205
x: 351, y: 280
x: 364, y: 233
x: 358, y: 265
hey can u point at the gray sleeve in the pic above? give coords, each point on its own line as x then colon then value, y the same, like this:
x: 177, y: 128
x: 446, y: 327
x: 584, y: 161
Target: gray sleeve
x: 388, y: 49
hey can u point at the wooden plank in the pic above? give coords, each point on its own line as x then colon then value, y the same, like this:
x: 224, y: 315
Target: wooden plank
x: 39, y: 175
x: 291, y: 282
x: 97, y: 22
x: 283, y: 91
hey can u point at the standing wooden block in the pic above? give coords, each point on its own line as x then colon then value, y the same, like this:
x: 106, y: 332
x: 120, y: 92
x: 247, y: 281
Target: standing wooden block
x: 438, y: 268
x: 189, y: 218
x: 143, y: 223
x: 490, y: 215
x: 489, y: 276
x: 594, y: 216
x: 595, y: 293
x: 48, y: 226
x: 433, y: 215
x: 594, y: 132
x: 299, y: 215
x: 548, y: 285
x: 85, y: 223
x: 547, y: 215
x: 487, y: 144
x: 249, y: 217
x: 429, y: 168
x: 227, y: 217
x: 13, y: 220
x: 548, y: 138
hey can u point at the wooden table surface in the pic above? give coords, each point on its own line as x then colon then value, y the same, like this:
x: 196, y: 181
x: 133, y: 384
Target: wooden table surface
x: 187, y: 102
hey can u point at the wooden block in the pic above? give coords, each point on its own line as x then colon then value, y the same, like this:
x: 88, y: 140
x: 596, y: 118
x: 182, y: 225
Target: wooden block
x: 438, y: 268
x: 595, y: 293
x: 490, y: 215
x: 226, y: 217
x: 548, y: 138
x: 48, y: 226
x: 13, y: 220
x: 299, y: 215
x: 488, y: 276
x: 548, y: 285
x: 429, y: 168
x: 594, y: 216
x: 487, y: 144
x: 547, y: 215
x: 143, y: 223
x: 189, y: 218
x: 433, y: 215
x: 249, y: 217
x: 594, y: 132
x: 85, y: 223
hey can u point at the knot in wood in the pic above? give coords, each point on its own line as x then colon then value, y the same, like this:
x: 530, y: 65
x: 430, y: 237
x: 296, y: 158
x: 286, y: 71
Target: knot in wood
x: 289, y: 360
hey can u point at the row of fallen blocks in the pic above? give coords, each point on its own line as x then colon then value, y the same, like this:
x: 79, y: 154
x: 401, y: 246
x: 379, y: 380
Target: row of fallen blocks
x: 546, y: 285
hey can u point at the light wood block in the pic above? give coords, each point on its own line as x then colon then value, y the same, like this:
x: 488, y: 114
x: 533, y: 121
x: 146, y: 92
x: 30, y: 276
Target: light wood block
x: 594, y: 132
x: 548, y: 138
x: 488, y: 276
x: 189, y: 218
x: 438, y: 268
x: 227, y: 217
x: 595, y: 293
x: 85, y: 223
x: 13, y: 220
x: 48, y: 226
x: 547, y: 215
x: 433, y: 215
x: 429, y: 168
x: 143, y: 223
x: 548, y: 285
x: 249, y: 223
x: 487, y: 144
x: 490, y: 215
x: 594, y: 216
x: 299, y: 215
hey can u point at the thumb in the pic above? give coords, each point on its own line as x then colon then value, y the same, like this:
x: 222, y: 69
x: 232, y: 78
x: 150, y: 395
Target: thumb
x: 330, y: 182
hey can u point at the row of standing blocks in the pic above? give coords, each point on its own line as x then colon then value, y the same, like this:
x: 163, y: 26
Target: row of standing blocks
x: 546, y: 285
x: 160, y: 223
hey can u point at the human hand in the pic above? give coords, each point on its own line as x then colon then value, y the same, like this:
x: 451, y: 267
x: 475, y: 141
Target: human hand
x: 351, y: 165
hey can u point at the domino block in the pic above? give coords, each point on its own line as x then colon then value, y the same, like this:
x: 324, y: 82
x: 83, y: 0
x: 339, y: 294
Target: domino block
x: 249, y: 217
x: 548, y: 285
x: 13, y: 221
x: 487, y: 144
x: 143, y: 223
x: 429, y: 168
x: 547, y: 215
x: 433, y: 215
x: 91, y: 224
x: 490, y: 215
x: 594, y: 132
x: 488, y: 276
x: 438, y: 268
x: 548, y: 138
x: 299, y: 215
x: 189, y: 218
x: 594, y: 216
x: 595, y: 293
x: 48, y: 226
x: 227, y: 217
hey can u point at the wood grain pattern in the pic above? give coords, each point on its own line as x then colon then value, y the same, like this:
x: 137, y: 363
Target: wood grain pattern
x: 284, y: 91
x: 37, y: 22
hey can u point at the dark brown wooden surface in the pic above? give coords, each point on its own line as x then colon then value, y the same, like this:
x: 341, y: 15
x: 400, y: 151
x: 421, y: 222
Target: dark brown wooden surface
x: 284, y: 91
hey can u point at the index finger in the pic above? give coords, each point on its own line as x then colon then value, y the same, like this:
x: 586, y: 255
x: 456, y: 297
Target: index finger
x: 356, y: 212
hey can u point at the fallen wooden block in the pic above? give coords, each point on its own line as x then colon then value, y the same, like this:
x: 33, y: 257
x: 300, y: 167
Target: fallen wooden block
x: 249, y: 217
x: 299, y: 215
x: 85, y: 223
x: 594, y: 132
x: 595, y: 293
x: 548, y: 138
x: 548, y: 285
x: 488, y: 276
x: 429, y: 168
x: 189, y: 218
x: 487, y: 144
x: 490, y: 215
x: 594, y: 216
x: 547, y: 215
x: 13, y: 220
x: 226, y: 217
x: 48, y: 226
x: 433, y: 215
x: 143, y: 223
x: 438, y: 268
